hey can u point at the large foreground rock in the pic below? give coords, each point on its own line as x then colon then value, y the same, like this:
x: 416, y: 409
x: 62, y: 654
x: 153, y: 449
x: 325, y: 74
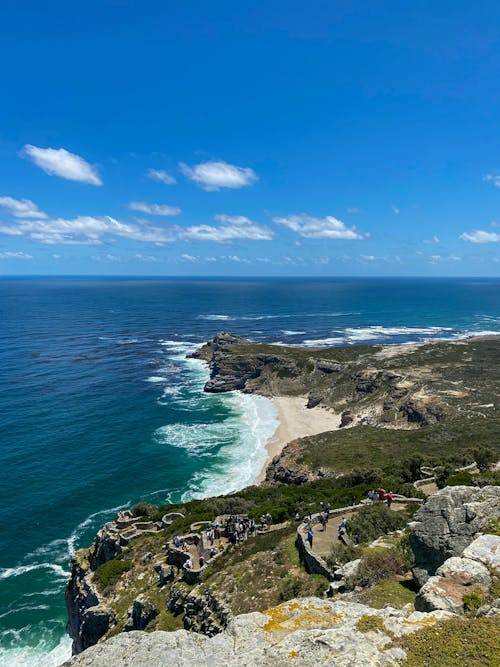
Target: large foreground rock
x: 306, y: 632
x: 447, y: 523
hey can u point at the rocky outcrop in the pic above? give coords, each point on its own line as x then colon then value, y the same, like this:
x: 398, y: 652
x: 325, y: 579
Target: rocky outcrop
x: 308, y: 632
x: 285, y: 468
x: 454, y: 579
x: 447, y: 523
x: 140, y: 614
x: 204, y: 612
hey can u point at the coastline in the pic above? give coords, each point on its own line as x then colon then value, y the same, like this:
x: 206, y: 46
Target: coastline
x: 296, y: 421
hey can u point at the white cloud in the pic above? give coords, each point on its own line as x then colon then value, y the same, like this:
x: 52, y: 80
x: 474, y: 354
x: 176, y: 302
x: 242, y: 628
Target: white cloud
x: 434, y: 239
x: 395, y: 209
x: 94, y: 230
x: 86, y: 230
x: 480, y: 236
x: 55, y: 256
x: 232, y: 227
x: 161, y: 176
x: 21, y: 208
x: 436, y: 259
x: 354, y: 210
x: 218, y: 174
x: 189, y: 258
x: 319, y: 228
x: 60, y: 162
x: 492, y: 178
x: 15, y: 255
x: 154, y: 209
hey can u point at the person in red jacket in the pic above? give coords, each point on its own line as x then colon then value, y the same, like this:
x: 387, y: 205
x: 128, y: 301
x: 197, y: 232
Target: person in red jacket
x: 389, y: 497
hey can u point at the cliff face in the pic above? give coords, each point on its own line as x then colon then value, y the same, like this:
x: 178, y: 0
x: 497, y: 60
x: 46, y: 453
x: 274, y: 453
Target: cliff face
x: 88, y: 617
x: 398, y: 386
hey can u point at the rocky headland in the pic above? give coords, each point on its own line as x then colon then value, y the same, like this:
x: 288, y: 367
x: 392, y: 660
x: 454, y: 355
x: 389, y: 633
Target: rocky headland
x: 409, y: 418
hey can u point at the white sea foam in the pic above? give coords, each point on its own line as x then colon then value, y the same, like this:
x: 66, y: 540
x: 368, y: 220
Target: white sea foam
x: 8, y: 572
x: 243, y: 454
x: 25, y: 607
x: 289, y: 332
x: 17, y: 652
x: 156, y: 378
x: 322, y: 342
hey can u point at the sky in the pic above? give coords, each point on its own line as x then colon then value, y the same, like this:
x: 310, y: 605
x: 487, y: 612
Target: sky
x: 250, y: 138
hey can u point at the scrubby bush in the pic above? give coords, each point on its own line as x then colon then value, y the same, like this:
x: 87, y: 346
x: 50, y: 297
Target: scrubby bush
x: 108, y: 573
x: 341, y: 554
x: 375, y: 520
x: 379, y: 564
x: 484, y: 457
x: 460, y: 479
x: 144, y: 509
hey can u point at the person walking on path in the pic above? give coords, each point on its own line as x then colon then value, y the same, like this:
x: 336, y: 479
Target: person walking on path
x: 310, y: 535
x: 389, y: 498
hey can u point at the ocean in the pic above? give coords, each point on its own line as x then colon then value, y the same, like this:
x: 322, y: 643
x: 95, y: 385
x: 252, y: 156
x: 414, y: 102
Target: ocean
x: 100, y: 409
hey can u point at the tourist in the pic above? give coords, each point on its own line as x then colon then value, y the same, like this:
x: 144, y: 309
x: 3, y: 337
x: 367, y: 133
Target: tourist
x: 201, y: 560
x: 269, y: 519
x: 324, y: 520
x: 343, y: 525
x: 177, y: 542
x: 310, y: 535
x: 188, y: 565
x: 357, y: 538
x: 381, y: 493
x: 389, y: 498
x: 297, y: 516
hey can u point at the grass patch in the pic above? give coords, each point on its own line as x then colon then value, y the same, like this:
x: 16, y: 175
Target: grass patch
x: 395, y: 591
x: 454, y: 643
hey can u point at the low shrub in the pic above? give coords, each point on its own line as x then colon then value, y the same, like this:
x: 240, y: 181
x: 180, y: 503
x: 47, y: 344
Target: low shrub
x: 454, y: 643
x: 341, y: 554
x: 375, y: 520
x: 379, y: 564
x: 108, y: 573
x: 145, y: 509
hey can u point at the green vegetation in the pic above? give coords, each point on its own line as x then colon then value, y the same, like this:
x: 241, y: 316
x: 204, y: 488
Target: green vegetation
x: 369, y: 623
x: 472, y: 601
x: 368, y: 448
x: 396, y: 591
x: 108, y: 573
x: 375, y: 520
x: 261, y: 573
x: 454, y: 643
x: 379, y: 564
x: 466, y: 479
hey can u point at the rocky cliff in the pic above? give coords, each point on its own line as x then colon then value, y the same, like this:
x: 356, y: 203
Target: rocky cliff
x: 415, y: 385
x: 307, y: 631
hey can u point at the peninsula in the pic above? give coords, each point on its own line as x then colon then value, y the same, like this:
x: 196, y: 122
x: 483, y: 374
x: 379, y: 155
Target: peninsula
x: 241, y: 577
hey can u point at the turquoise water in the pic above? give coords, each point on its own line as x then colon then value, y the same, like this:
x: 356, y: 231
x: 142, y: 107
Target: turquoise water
x: 99, y: 407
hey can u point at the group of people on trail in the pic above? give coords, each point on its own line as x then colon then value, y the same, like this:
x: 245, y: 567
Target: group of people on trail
x: 381, y: 495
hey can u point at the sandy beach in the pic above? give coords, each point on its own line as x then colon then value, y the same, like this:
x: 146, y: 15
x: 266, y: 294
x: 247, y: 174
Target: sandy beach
x: 296, y: 421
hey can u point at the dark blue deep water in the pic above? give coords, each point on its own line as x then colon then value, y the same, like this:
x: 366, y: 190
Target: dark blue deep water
x: 100, y: 409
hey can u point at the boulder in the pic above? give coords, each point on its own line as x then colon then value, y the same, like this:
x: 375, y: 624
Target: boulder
x: 485, y: 549
x: 447, y: 523
x: 454, y: 579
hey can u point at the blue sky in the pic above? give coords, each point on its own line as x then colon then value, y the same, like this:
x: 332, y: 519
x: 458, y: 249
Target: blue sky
x: 335, y: 137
